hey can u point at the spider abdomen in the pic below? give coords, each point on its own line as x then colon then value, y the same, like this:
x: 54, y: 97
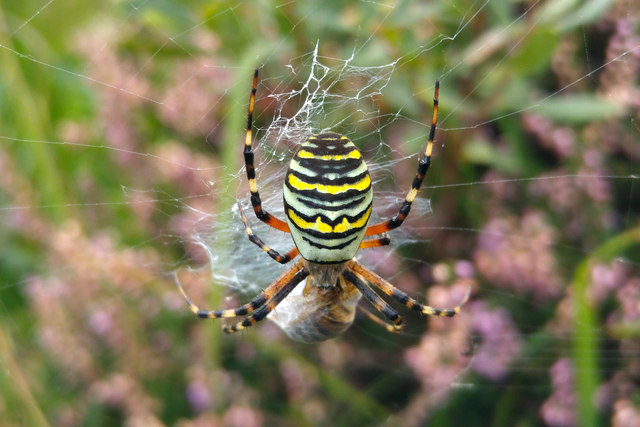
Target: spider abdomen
x: 327, y: 198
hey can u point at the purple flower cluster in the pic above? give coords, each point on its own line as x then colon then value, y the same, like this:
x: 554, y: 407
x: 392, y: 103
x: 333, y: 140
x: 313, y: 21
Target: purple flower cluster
x: 517, y: 254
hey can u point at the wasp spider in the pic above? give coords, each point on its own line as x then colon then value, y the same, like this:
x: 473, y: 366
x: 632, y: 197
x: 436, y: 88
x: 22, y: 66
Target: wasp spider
x: 327, y: 200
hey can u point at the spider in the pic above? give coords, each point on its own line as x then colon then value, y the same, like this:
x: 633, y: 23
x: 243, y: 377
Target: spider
x: 327, y: 201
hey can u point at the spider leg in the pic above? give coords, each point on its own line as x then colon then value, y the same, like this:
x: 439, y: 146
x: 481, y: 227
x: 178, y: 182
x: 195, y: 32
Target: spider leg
x: 374, y: 299
x: 285, y: 285
x: 254, y: 304
x: 282, y: 259
x: 423, y: 167
x: 388, y: 326
x: 374, y: 243
x: 256, y: 202
x: 403, y: 298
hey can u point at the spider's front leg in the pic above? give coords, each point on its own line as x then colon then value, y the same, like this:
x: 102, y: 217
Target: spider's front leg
x: 282, y: 259
x: 384, y: 240
x: 423, y: 167
x: 256, y: 202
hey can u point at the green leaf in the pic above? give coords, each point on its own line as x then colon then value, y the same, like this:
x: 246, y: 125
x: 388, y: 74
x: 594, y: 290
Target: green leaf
x: 535, y: 54
x: 483, y: 153
x: 589, y: 12
x: 577, y: 108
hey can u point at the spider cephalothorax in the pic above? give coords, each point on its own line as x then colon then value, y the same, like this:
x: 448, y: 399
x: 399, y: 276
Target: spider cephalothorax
x: 327, y: 200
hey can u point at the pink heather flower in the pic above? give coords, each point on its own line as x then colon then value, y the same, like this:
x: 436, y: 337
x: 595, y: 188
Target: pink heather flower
x: 299, y: 381
x: 191, y: 103
x: 101, y: 321
x: 439, y: 359
x: 625, y: 414
x: 464, y: 269
x: 559, y: 409
x: 560, y: 140
x: 617, y: 78
x: 517, y: 253
x: 605, y: 279
x: 199, y: 396
x: 629, y: 299
x: 499, y: 344
x: 242, y: 416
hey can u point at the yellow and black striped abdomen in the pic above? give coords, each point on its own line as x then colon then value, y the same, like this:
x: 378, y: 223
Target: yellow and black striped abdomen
x: 327, y: 198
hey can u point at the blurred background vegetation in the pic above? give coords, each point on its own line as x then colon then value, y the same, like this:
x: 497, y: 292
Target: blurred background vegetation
x: 115, y: 116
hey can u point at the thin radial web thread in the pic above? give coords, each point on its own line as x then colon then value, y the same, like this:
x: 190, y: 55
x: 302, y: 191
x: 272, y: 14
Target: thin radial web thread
x: 318, y: 98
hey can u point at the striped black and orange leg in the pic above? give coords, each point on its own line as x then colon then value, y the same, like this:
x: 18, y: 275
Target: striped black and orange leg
x: 374, y: 243
x: 388, y: 326
x: 282, y: 259
x: 423, y: 167
x: 375, y: 300
x: 403, y: 298
x: 256, y: 202
x: 250, y: 307
x: 285, y: 289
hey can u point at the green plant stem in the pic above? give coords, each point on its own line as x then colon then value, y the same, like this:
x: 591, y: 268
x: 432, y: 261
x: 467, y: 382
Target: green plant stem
x: 585, y: 338
x: 20, y: 405
x: 29, y: 120
x: 231, y: 157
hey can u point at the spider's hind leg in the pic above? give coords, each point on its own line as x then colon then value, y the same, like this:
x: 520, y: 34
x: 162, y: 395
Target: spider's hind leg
x: 256, y: 303
x: 286, y: 283
x: 389, y: 327
x: 375, y: 300
x: 403, y: 298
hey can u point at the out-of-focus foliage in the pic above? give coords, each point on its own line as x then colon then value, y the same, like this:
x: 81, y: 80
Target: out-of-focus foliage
x: 540, y: 104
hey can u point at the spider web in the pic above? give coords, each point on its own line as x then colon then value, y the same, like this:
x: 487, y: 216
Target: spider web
x: 338, y: 97
x: 372, y: 94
